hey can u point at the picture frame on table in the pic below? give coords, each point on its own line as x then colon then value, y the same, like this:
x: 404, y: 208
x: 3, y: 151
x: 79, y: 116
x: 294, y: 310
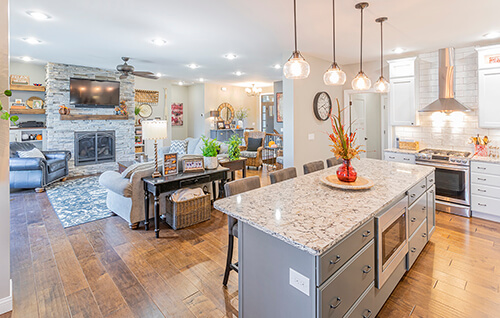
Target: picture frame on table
x: 220, y: 124
x: 170, y: 164
x: 227, y: 126
x: 193, y: 165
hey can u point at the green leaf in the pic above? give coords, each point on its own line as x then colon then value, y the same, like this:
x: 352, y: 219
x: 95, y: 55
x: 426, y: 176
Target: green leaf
x: 7, y: 92
x: 5, y: 116
x: 1, y: 107
x: 14, y: 118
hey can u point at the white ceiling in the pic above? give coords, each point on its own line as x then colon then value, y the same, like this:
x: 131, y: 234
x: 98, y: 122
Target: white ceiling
x: 97, y: 33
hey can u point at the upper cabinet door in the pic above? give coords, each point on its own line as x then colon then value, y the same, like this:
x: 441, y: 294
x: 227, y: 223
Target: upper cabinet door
x: 489, y: 98
x: 402, y: 67
x: 402, y: 101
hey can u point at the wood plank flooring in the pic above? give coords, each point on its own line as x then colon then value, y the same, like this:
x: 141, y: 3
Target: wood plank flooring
x: 104, y: 269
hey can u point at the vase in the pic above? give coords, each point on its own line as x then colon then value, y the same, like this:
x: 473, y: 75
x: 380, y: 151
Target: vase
x: 210, y: 162
x: 346, y: 172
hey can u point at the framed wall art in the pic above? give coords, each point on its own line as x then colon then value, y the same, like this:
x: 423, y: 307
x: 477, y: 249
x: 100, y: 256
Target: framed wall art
x: 279, y: 109
x: 177, y: 114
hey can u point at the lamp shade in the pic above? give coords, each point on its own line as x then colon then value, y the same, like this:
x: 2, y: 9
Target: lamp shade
x: 382, y: 85
x: 361, y: 82
x: 214, y: 113
x: 154, y: 129
x: 334, y: 75
x: 296, y: 67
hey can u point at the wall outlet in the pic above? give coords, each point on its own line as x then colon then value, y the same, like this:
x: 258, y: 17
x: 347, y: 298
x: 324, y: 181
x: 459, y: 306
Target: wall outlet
x: 310, y: 136
x: 299, y: 281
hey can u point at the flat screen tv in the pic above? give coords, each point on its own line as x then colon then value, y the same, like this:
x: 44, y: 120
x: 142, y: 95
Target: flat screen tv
x: 91, y: 93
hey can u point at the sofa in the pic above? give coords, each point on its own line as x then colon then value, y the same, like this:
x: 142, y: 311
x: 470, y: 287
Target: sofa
x: 191, y: 147
x: 31, y: 173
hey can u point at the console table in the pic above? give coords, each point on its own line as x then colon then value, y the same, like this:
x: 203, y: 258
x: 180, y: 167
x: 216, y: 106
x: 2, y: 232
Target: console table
x: 169, y: 184
x: 225, y: 134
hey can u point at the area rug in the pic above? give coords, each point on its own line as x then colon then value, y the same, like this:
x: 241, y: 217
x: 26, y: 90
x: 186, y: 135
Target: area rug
x: 79, y: 201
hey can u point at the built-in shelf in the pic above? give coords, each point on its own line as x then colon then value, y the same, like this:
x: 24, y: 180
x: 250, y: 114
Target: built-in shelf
x: 28, y: 111
x: 94, y: 117
x: 29, y: 88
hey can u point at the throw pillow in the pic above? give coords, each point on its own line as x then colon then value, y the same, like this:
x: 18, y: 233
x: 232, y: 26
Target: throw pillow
x: 197, y: 150
x: 33, y: 153
x: 127, y: 173
x: 254, y: 144
x: 179, y: 147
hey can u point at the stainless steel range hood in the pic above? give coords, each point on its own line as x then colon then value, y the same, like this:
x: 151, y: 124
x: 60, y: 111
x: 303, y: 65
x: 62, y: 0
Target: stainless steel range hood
x: 446, y: 101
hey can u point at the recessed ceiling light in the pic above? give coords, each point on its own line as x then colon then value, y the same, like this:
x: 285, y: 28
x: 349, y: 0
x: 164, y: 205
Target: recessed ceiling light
x: 193, y: 66
x: 398, y: 50
x: 201, y: 79
x: 159, y: 42
x: 38, y: 15
x: 277, y: 66
x: 238, y: 73
x: 26, y: 58
x: 32, y: 40
x: 492, y: 35
x: 230, y: 56
x: 223, y: 89
x: 181, y: 83
x: 158, y: 74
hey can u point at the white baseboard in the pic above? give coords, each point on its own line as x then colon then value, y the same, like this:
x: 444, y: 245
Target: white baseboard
x: 6, y: 303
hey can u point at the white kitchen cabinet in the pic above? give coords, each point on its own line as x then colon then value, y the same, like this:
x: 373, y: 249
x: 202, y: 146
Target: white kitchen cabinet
x: 485, y: 190
x: 402, y: 96
x: 488, y: 84
x: 15, y: 135
x: 399, y: 157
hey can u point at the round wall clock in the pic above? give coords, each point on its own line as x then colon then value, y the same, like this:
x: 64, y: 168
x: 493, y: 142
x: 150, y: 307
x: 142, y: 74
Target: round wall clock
x: 145, y: 110
x: 322, y: 106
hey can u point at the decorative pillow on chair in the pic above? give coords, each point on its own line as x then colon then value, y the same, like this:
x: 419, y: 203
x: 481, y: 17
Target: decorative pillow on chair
x: 33, y: 153
x: 179, y: 147
x: 254, y: 144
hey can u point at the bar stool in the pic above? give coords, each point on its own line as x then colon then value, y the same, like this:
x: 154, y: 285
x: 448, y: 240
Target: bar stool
x: 282, y: 175
x: 330, y: 162
x: 313, y: 166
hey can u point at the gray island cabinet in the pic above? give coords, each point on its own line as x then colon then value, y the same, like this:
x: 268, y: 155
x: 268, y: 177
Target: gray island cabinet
x: 308, y: 250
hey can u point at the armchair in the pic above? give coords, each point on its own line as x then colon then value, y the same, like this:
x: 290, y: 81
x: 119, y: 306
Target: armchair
x: 254, y: 158
x: 30, y: 173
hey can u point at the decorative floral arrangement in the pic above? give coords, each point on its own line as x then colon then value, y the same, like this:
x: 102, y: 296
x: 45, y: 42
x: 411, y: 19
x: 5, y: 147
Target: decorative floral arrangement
x: 343, y: 142
x: 63, y: 110
x: 241, y: 113
x: 210, y: 148
x: 234, y: 147
x: 122, y: 109
x: 4, y: 114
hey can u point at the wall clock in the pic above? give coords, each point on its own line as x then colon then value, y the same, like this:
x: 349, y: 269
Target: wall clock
x: 322, y: 106
x: 145, y: 110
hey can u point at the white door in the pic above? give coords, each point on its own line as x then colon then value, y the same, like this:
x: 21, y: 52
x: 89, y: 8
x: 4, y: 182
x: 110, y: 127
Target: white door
x: 358, y: 120
x: 489, y: 98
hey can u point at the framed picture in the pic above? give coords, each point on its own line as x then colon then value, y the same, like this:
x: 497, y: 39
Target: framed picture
x: 37, y: 104
x: 279, y: 105
x: 220, y: 124
x: 193, y: 165
x: 19, y: 79
x: 170, y: 164
x: 227, y: 126
x: 177, y: 114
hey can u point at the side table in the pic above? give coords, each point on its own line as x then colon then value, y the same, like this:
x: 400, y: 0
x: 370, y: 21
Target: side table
x: 233, y: 165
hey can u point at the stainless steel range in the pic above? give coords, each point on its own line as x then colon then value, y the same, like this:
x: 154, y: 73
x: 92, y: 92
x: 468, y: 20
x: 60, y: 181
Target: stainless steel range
x: 452, y: 178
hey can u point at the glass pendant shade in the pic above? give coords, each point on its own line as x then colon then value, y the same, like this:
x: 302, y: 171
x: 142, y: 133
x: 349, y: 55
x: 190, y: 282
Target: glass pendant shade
x: 382, y: 85
x: 334, y: 76
x: 296, y: 67
x: 361, y: 82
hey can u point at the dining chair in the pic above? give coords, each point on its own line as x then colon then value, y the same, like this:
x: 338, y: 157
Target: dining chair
x: 282, y: 175
x: 330, y: 162
x: 313, y: 166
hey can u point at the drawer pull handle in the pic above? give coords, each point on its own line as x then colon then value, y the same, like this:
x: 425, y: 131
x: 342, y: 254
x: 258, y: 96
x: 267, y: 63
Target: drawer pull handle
x: 339, y: 301
x: 337, y: 259
x: 367, y: 233
x: 392, y: 157
x: 481, y: 168
x: 423, y: 186
x: 424, y: 234
x: 481, y: 190
x: 481, y: 204
x: 413, y: 219
x: 423, y: 208
x: 432, y: 191
x: 368, y: 269
x: 431, y: 180
x: 481, y: 179
x: 413, y: 249
x: 413, y: 195
x: 369, y: 314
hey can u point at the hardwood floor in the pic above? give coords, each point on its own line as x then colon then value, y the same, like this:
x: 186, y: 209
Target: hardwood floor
x: 103, y: 269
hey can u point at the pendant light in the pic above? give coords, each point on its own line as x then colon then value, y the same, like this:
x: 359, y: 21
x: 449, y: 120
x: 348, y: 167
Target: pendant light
x: 296, y: 67
x: 361, y: 82
x: 382, y: 85
x: 334, y: 75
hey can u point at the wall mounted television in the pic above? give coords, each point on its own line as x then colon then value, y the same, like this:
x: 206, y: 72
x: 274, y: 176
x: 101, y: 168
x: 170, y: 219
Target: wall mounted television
x: 91, y: 93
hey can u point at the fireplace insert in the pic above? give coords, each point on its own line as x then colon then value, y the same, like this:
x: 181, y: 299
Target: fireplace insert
x: 94, y: 147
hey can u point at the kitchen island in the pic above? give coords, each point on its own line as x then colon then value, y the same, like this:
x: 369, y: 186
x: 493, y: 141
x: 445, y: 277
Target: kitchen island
x: 308, y: 250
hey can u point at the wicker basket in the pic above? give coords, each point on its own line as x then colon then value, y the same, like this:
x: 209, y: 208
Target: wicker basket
x: 190, y: 212
x: 409, y: 145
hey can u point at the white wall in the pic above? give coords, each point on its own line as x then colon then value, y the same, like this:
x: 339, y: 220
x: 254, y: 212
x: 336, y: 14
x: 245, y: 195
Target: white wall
x: 196, y: 123
x: 178, y: 95
x: 36, y: 72
x: 5, y: 296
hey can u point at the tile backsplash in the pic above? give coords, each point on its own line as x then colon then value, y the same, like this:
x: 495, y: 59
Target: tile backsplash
x: 451, y: 131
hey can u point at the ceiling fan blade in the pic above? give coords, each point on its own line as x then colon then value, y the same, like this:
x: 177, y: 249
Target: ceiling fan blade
x: 149, y: 75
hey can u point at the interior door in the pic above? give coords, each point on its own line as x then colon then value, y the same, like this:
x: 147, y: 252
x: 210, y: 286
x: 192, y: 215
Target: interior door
x: 267, y: 113
x: 358, y: 120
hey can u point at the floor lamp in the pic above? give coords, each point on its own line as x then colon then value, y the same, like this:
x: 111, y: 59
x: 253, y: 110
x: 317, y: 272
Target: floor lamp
x: 154, y: 130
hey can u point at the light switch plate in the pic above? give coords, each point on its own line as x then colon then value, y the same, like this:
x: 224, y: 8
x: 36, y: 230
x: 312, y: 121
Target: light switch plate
x: 311, y: 136
x: 299, y: 281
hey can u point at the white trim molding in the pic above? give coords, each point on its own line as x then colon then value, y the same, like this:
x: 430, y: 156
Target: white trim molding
x: 6, y: 303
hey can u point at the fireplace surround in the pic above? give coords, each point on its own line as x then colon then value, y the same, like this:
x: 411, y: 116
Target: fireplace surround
x: 94, y: 147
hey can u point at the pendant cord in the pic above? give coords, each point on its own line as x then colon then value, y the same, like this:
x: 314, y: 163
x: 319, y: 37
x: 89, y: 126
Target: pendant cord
x: 381, y: 50
x: 361, y: 49
x: 295, y: 22
x: 333, y: 45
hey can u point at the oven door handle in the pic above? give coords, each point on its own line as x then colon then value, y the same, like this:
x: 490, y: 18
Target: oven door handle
x: 442, y: 166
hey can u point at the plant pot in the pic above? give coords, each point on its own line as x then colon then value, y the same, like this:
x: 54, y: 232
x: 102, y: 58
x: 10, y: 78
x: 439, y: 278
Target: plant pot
x: 210, y: 162
x: 346, y: 172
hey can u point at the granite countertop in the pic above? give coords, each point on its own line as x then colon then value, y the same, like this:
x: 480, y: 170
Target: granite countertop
x: 486, y: 159
x: 397, y: 150
x: 313, y: 217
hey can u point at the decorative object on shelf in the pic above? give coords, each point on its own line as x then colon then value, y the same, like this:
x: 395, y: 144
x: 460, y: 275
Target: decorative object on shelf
x: 25, y: 136
x: 296, y: 67
x: 360, y: 183
x: 344, y: 147
x: 226, y: 112
x: 19, y: 80
x: 137, y: 110
x: 170, y: 164
x: 37, y: 84
x: 177, y: 114
x: 213, y: 115
x: 322, y: 106
x: 234, y: 147
x: 145, y: 96
x: 382, y: 85
x: 145, y: 110
x: 409, y: 145
x: 334, y: 75
x: 63, y: 110
x: 193, y: 165
x: 154, y: 130
x: 253, y: 91
x: 279, y: 106
x: 39, y: 137
x: 227, y: 126
x: 18, y: 101
x: 480, y: 145
x: 361, y: 81
x: 37, y: 104
x: 220, y: 124
x: 210, y: 149
x: 121, y: 109
x: 241, y: 115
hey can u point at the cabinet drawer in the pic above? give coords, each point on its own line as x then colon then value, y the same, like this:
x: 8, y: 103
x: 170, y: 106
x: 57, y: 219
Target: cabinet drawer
x: 364, y: 307
x: 399, y: 157
x: 415, y: 192
x: 337, y: 256
x: 485, y: 205
x: 487, y: 179
x: 485, y: 167
x: 431, y: 211
x: 417, y: 213
x: 431, y: 179
x: 485, y: 190
x: 339, y: 293
x: 417, y: 243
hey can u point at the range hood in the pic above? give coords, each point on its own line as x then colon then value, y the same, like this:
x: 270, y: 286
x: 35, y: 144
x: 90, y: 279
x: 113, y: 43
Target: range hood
x: 446, y: 101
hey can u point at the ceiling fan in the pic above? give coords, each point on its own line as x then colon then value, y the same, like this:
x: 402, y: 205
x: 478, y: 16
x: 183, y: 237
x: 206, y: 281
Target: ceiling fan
x: 127, y: 70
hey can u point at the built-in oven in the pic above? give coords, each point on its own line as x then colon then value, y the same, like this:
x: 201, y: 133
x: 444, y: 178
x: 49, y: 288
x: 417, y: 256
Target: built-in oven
x: 392, y: 243
x: 452, y: 187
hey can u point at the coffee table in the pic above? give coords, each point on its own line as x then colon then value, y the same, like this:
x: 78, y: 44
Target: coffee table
x: 233, y: 165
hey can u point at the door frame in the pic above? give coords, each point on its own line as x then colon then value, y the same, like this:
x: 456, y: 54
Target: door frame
x: 384, y: 113
x: 260, y: 109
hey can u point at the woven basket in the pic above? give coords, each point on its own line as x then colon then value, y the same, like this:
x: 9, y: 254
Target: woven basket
x: 190, y: 212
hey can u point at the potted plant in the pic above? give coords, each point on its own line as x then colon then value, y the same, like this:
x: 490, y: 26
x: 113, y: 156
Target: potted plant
x: 4, y: 114
x: 344, y: 147
x: 210, y: 149
x: 241, y: 114
x: 234, y: 147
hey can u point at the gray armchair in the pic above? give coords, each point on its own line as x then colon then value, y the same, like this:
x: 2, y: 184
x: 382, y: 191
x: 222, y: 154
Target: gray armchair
x: 30, y: 173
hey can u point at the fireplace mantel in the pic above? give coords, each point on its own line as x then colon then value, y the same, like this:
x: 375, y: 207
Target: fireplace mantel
x: 93, y: 117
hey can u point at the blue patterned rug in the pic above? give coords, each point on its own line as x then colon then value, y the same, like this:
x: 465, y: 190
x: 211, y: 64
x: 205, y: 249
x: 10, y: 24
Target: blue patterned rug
x: 79, y: 201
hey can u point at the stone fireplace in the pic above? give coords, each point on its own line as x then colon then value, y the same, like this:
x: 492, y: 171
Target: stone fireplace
x: 94, y: 147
